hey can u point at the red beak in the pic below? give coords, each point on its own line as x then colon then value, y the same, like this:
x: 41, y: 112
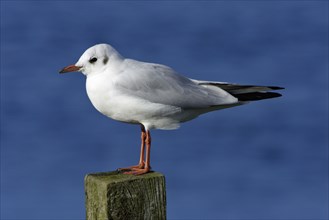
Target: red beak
x: 70, y: 68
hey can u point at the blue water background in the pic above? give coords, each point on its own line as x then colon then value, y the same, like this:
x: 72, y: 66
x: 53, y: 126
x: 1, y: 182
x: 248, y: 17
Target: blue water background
x: 265, y: 160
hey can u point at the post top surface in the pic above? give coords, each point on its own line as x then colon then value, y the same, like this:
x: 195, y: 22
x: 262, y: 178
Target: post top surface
x: 117, y: 176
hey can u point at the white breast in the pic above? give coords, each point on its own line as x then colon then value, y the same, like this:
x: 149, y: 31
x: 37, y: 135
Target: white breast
x: 99, y: 92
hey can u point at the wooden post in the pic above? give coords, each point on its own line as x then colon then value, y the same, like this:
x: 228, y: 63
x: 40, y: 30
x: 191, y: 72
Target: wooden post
x: 118, y: 196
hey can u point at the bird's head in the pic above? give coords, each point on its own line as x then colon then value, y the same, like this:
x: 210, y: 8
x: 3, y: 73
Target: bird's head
x: 94, y: 60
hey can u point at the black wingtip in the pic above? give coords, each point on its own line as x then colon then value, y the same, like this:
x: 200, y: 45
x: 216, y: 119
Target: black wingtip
x: 255, y: 96
x: 275, y: 87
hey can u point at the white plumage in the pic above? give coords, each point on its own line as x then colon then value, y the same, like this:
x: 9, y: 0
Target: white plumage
x: 154, y: 95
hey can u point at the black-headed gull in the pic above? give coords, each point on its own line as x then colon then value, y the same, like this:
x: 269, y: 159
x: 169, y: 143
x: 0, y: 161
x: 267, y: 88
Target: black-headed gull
x: 154, y: 95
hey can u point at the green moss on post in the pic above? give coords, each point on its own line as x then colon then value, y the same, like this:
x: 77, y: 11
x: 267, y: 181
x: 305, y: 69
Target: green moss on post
x: 117, y: 196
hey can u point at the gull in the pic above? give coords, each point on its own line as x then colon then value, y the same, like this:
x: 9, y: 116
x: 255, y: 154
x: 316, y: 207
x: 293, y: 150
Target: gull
x: 154, y: 96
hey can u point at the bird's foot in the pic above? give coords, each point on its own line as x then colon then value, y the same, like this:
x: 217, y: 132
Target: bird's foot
x: 138, y: 171
x: 139, y: 166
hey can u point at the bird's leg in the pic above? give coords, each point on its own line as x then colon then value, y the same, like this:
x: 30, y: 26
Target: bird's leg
x: 141, y: 158
x: 147, y: 167
x: 148, y: 151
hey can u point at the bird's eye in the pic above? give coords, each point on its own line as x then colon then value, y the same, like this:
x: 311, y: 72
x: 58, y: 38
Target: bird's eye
x: 93, y: 60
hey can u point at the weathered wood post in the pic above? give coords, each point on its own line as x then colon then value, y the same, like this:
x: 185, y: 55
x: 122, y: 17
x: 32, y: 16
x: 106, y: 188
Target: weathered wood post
x: 117, y: 196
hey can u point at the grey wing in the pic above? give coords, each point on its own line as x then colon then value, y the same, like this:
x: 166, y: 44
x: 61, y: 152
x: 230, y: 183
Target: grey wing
x: 161, y: 84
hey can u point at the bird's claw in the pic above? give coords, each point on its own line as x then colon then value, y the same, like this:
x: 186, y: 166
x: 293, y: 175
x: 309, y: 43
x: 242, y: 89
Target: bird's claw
x: 137, y: 171
x: 139, y: 166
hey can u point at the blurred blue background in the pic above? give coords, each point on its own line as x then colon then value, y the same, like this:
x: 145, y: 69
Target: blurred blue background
x: 265, y: 160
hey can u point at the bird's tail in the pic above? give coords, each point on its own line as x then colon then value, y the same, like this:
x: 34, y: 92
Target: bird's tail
x: 246, y: 92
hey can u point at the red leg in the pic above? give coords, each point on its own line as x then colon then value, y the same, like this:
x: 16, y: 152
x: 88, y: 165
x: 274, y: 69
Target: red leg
x: 147, y: 166
x: 141, y: 159
x: 148, y: 151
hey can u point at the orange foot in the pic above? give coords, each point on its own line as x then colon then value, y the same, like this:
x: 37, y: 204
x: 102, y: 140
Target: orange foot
x: 138, y: 171
x: 139, y: 166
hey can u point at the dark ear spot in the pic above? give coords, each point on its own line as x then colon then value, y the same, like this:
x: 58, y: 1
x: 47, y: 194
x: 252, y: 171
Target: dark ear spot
x: 106, y: 59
